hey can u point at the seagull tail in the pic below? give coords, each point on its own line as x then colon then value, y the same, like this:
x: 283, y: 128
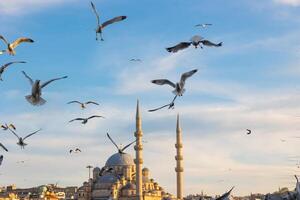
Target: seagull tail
x: 220, y: 44
x: 36, y: 102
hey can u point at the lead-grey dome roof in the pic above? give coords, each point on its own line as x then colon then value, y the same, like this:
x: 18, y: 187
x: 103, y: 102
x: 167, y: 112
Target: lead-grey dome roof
x: 119, y: 159
x: 108, y: 178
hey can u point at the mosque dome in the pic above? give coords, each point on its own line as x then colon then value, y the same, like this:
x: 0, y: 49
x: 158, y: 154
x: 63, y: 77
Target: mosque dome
x: 119, y: 159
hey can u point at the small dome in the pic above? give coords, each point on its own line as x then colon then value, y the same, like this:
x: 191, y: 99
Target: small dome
x: 96, y: 169
x: 108, y: 178
x: 119, y: 159
x: 145, y: 169
x: 129, y: 186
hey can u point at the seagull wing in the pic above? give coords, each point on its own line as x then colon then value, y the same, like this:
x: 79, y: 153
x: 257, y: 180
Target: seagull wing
x: 128, y: 145
x: 13, y: 132
x: 163, y: 82
x: 3, y: 147
x: 209, y: 43
x: 30, y: 80
x: 76, y: 119
x: 7, y: 64
x: 113, y: 20
x: 92, y: 102
x: 31, y: 134
x: 225, y: 195
x: 112, y: 141
x: 95, y: 116
x: 74, y: 102
x: 185, y: 76
x: 96, y: 13
x: 55, y: 79
x: 153, y: 110
x: 77, y: 149
x: 12, y: 126
x: 180, y: 46
x: 3, y: 39
x: 19, y: 41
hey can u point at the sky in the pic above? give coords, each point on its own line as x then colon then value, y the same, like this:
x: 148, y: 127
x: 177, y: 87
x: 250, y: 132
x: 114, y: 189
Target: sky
x: 251, y: 82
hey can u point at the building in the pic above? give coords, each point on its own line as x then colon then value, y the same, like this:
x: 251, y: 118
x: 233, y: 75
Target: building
x: 127, y: 179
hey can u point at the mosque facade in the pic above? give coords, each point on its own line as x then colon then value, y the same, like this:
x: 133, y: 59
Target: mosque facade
x: 127, y: 179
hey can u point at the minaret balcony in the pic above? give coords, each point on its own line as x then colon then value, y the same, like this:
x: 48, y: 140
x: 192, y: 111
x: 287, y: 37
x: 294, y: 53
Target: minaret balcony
x: 138, y: 134
x: 140, y: 161
x: 178, y: 145
x: 179, y: 157
x: 138, y: 147
x: 178, y: 169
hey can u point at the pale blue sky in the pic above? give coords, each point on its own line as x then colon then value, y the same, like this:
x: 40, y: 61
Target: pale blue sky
x: 251, y: 82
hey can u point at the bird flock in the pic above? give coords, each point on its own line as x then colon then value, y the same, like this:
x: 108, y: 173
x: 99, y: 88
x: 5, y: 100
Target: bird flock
x: 36, y: 98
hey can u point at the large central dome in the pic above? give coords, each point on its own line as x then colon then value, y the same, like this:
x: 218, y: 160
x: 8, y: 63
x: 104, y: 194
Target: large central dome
x: 119, y: 159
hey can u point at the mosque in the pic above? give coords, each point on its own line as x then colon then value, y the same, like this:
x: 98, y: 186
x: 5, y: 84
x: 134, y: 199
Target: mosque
x: 127, y: 179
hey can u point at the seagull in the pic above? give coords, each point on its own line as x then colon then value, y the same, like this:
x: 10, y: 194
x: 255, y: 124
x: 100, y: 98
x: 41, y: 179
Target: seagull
x: 77, y: 150
x: 282, y: 140
x: 179, y: 87
x: 103, y: 25
x: 225, y: 196
x: 6, y: 127
x: 11, y: 46
x: 211, y: 44
x: 136, y: 60
x: 104, y: 170
x: 3, y: 147
x: 36, y: 91
x: 3, y: 67
x: 21, y: 140
x: 83, y: 104
x: 85, y: 120
x: 248, y: 131
x: 203, y: 25
x: 120, y: 150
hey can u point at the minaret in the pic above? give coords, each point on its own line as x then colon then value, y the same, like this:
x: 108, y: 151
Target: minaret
x: 139, y: 154
x: 179, y: 158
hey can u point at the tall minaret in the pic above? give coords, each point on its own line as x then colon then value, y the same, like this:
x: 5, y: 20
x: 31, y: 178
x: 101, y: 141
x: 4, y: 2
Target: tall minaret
x: 139, y: 154
x: 179, y: 158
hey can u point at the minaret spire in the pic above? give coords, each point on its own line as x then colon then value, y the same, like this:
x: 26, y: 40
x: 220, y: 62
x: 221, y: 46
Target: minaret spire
x: 139, y: 153
x: 179, y: 158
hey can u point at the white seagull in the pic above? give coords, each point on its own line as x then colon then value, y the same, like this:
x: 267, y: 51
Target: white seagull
x: 179, y: 87
x: 203, y: 25
x: 36, y: 91
x: 84, y: 104
x: 11, y: 46
x: 100, y: 27
x: 85, y: 120
x: 21, y: 140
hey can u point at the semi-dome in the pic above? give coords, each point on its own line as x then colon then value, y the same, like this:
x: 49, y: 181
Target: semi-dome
x: 129, y: 186
x: 119, y: 159
x: 108, y: 178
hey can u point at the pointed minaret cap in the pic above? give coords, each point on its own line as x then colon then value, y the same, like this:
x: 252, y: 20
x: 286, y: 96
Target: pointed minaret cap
x: 178, y: 124
x: 138, y: 117
x: 137, y: 109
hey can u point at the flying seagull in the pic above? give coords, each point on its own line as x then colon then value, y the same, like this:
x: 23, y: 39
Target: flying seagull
x: 77, y: 150
x: 36, y: 91
x: 248, y: 131
x: 203, y: 25
x: 3, y: 147
x: 225, y: 196
x: 195, y: 41
x: 120, y: 150
x: 83, y: 104
x: 3, y: 67
x: 136, y: 60
x: 105, y: 169
x: 85, y: 120
x: 6, y: 127
x: 179, y: 87
x: 100, y: 27
x: 211, y: 44
x: 11, y: 46
x: 21, y: 140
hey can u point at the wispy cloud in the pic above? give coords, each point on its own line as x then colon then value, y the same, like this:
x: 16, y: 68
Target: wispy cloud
x: 288, y: 2
x: 20, y: 7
